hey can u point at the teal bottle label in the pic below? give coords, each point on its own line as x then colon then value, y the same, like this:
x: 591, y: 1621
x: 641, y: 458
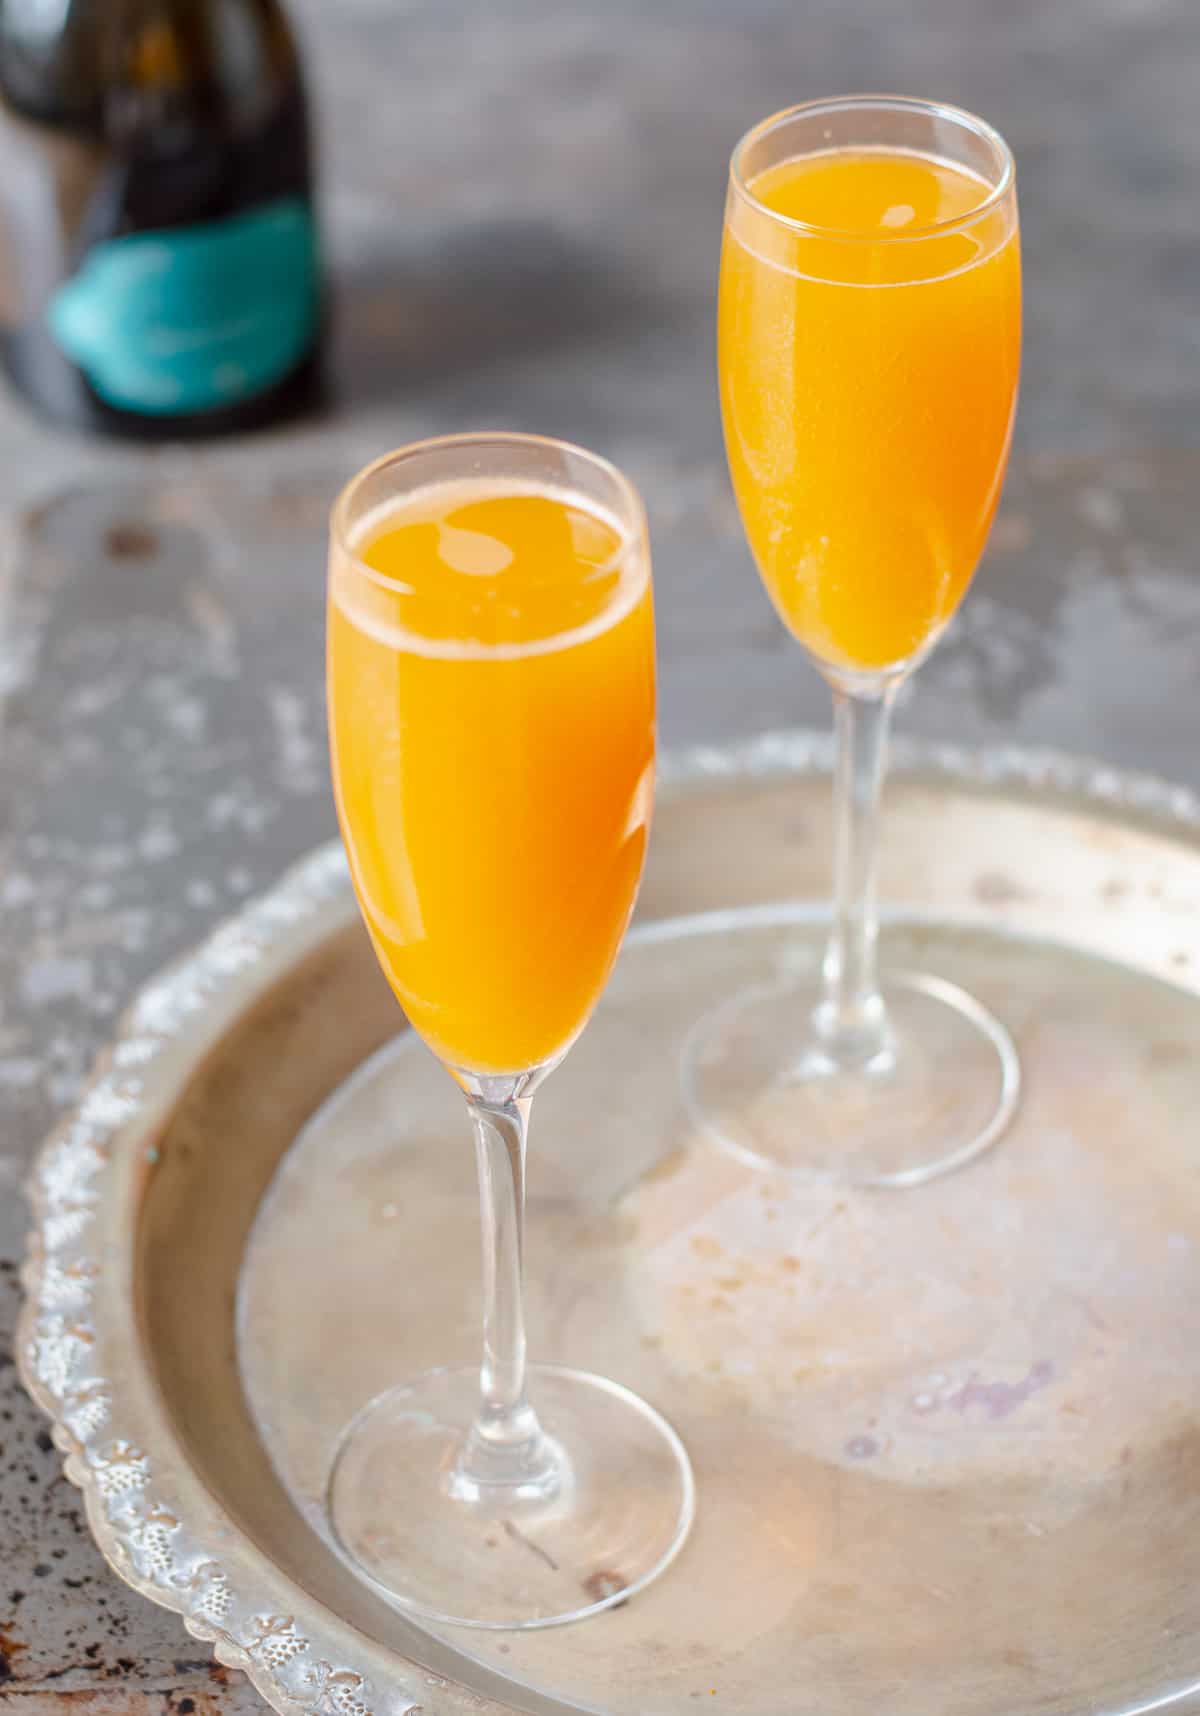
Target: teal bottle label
x: 190, y: 318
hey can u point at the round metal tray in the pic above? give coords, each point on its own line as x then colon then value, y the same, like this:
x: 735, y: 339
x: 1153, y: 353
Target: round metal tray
x: 947, y: 1441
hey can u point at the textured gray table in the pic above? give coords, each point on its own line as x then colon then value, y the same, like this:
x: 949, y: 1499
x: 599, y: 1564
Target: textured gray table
x: 523, y: 209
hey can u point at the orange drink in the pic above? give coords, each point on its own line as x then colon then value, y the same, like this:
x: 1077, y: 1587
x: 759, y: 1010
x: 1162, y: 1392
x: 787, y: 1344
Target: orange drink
x: 869, y: 348
x: 491, y: 715
x: 492, y: 705
x: 869, y: 345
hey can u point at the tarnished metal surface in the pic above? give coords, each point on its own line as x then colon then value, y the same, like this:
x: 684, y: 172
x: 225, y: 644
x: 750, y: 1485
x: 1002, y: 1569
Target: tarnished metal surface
x: 523, y: 207
x: 72, y: 1636
x: 1074, y: 1296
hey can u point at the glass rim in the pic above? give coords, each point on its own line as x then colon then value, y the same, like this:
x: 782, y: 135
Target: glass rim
x: 960, y: 116
x: 635, y: 531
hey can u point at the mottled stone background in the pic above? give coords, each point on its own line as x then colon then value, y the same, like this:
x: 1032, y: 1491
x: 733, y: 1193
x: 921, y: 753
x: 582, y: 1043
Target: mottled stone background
x: 523, y: 206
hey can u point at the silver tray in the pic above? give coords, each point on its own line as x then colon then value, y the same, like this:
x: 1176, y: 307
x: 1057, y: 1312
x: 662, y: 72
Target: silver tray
x: 947, y: 1441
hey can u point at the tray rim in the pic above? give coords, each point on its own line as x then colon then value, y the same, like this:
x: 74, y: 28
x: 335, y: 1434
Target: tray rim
x: 68, y: 1348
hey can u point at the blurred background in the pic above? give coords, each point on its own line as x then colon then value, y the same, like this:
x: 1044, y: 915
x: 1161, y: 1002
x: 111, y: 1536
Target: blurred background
x: 520, y: 208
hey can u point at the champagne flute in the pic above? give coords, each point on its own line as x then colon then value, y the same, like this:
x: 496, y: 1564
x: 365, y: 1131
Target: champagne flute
x: 869, y: 347
x: 492, y: 718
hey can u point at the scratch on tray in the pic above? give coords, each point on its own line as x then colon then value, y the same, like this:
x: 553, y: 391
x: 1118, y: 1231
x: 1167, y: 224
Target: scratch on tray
x: 510, y: 1530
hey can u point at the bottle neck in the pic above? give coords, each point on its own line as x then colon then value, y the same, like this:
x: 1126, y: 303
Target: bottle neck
x: 132, y: 69
x: 178, y: 65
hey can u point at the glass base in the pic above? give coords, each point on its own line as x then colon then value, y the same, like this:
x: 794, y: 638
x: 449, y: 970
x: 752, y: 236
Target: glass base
x: 607, y: 1508
x: 940, y: 1094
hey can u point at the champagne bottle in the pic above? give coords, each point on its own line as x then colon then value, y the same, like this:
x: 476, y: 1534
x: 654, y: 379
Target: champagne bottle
x: 159, y: 270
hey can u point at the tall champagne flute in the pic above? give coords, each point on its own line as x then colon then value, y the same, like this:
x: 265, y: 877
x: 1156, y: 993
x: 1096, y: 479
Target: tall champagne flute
x: 492, y: 719
x: 869, y: 343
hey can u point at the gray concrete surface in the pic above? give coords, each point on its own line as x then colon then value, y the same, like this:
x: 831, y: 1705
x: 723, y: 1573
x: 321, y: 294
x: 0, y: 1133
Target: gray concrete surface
x: 523, y: 208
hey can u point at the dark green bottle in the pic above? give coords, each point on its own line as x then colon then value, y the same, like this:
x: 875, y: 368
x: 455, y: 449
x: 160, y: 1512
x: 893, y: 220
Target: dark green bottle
x: 159, y: 270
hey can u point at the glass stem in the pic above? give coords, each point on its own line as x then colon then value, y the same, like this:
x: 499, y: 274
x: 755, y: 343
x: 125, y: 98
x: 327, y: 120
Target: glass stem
x: 504, y: 1455
x: 851, y: 1021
